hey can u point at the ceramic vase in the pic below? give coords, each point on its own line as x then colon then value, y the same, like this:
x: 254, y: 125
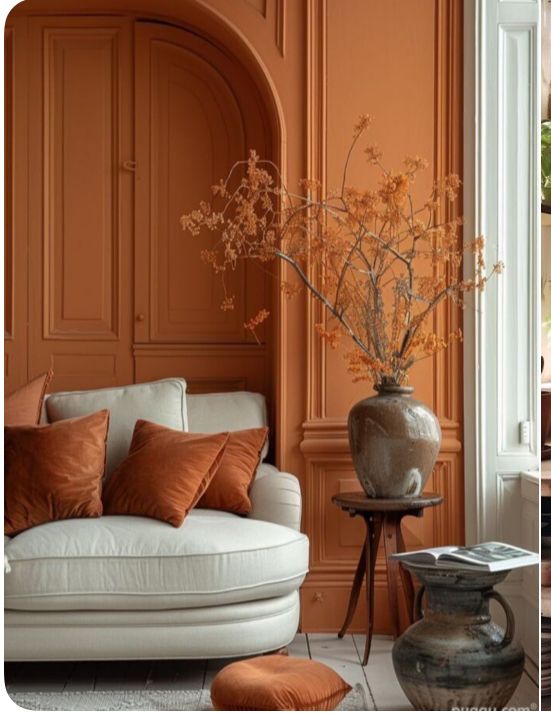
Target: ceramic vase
x: 394, y: 441
x: 455, y: 657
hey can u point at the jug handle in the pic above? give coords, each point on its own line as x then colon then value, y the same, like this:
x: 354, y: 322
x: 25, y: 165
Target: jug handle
x: 417, y: 611
x: 510, y: 630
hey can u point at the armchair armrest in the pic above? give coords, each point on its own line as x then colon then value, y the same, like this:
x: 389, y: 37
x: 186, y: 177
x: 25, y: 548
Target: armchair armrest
x: 276, y: 497
x: 7, y: 567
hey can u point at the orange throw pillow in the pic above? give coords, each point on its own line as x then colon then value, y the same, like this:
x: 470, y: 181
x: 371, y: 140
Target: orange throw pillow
x: 165, y: 473
x: 277, y: 683
x: 24, y: 406
x: 53, y: 472
x: 229, y: 489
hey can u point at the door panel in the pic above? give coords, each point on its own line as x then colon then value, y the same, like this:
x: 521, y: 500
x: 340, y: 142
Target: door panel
x: 195, y: 116
x: 80, y: 192
x: 15, y: 204
x: 81, y: 200
x: 196, y: 132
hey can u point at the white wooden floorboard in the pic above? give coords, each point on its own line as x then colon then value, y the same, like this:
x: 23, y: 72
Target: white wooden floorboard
x: 342, y: 656
x: 383, y: 684
x: 177, y: 675
x: 38, y: 676
x: 122, y: 675
x: 213, y: 666
x: 82, y: 677
x: 299, y: 647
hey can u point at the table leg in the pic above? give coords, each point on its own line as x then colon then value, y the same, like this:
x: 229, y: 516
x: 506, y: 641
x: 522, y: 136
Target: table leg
x: 374, y: 524
x: 356, y: 588
x: 390, y: 536
x: 407, y: 581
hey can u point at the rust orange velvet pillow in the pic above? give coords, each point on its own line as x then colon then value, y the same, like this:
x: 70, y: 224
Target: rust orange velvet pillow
x: 53, y: 472
x: 23, y: 407
x: 229, y: 489
x: 165, y: 473
x: 277, y: 683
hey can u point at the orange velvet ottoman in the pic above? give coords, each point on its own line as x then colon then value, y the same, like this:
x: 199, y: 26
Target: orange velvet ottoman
x: 277, y: 683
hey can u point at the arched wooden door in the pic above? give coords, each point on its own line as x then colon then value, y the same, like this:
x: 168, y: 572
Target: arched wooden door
x: 196, y: 114
x: 130, y: 124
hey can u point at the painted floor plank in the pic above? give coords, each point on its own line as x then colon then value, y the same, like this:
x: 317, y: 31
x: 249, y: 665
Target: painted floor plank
x: 82, y: 677
x: 213, y: 666
x: 11, y: 670
x: 175, y: 675
x: 122, y: 675
x: 42, y: 676
x: 299, y: 647
x: 381, y: 678
x: 342, y: 656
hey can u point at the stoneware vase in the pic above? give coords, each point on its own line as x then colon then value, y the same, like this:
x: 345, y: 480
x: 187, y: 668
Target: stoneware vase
x: 394, y: 441
x: 455, y: 657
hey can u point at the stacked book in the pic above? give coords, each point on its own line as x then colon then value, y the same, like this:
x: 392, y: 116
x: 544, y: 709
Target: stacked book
x: 484, y: 557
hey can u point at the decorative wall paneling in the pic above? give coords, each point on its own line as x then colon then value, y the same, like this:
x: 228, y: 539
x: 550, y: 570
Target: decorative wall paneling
x: 15, y: 206
x: 121, y: 293
x: 80, y: 199
x: 336, y: 540
x: 502, y: 333
x: 197, y: 112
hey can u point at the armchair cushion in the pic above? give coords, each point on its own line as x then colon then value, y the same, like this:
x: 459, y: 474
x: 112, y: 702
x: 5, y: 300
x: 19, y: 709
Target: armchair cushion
x: 163, y: 402
x: 165, y: 474
x: 231, y: 411
x: 229, y: 488
x: 121, y: 562
x: 23, y: 407
x: 53, y: 472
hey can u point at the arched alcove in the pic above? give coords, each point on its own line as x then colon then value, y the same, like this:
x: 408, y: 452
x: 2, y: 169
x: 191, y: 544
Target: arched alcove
x: 135, y: 110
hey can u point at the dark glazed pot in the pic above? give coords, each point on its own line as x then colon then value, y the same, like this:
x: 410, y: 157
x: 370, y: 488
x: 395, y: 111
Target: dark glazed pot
x: 394, y: 441
x: 455, y: 657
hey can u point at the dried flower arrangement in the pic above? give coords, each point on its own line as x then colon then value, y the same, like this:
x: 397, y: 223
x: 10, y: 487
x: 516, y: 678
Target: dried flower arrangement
x: 379, y: 264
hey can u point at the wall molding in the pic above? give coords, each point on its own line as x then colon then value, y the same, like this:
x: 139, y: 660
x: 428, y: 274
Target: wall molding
x: 58, y: 43
x: 316, y: 170
x: 448, y: 159
x: 324, y: 443
x: 9, y: 252
x: 280, y: 12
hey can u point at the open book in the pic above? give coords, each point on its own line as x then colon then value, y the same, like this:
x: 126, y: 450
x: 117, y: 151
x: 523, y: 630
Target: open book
x: 488, y: 556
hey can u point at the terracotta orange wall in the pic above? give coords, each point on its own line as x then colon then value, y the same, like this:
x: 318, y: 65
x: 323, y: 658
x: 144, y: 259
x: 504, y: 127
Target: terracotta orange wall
x: 400, y: 62
x: 317, y: 65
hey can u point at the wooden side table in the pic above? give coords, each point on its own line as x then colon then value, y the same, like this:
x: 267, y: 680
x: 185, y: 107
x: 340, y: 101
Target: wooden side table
x: 382, y: 516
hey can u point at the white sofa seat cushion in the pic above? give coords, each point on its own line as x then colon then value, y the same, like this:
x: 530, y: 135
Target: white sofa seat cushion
x: 163, y: 402
x: 125, y: 562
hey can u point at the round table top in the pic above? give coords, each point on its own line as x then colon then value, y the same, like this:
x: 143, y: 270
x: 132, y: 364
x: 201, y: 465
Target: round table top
x: 359, y: 502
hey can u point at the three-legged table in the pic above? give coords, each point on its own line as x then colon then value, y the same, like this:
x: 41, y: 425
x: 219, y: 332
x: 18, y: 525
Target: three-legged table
x: 382, y: 517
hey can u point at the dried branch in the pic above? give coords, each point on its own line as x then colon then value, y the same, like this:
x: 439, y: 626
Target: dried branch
x: 378, y: 264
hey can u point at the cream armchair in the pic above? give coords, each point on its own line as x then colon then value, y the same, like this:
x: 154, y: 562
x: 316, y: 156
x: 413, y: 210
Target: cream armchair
x: 122, y: 587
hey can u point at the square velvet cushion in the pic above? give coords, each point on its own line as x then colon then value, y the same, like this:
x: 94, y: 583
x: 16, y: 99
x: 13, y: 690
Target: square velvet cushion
x: 24, y: 406
x: 277, y: 683
x: 53, y: 472
x: 165, y: 474
x: 229, y: 489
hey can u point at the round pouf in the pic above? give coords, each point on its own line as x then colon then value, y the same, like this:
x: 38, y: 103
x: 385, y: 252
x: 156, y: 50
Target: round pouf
x: 277, y: 683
